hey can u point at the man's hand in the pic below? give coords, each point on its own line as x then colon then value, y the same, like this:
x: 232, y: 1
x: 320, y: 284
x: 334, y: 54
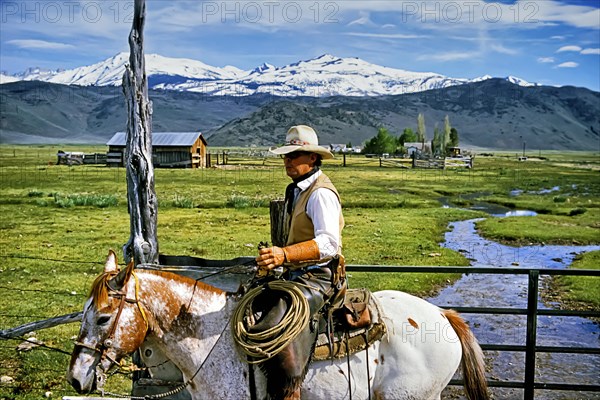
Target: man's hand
x: 270, y: 258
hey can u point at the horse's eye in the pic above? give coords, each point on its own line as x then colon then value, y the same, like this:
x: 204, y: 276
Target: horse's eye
x: 102, y: 320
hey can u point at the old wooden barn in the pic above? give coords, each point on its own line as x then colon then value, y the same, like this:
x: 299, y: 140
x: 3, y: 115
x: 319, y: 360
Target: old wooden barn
x: 169, y: 149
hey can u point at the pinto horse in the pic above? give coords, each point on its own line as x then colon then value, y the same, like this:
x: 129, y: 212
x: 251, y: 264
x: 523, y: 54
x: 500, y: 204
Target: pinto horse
x: 189, y: 321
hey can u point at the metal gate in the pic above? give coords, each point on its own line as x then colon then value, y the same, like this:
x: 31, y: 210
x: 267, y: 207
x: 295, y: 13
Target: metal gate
x: 532, y: 312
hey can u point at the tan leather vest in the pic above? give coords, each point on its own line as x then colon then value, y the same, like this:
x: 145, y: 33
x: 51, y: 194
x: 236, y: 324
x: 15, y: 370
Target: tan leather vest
x: 301, y: 227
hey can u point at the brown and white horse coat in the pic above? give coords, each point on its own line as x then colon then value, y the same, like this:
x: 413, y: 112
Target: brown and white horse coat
x: 188, y: 321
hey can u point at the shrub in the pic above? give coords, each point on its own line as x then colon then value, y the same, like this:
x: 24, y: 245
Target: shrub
x: 97, y: 200
x: 240, y: 201
x: 182, y: 202
x: 577, y: 211
x: 63, y: 201
x: 35, y: 193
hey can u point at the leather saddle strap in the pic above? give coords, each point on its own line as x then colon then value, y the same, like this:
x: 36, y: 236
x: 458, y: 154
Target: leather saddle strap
x: 348, y: 363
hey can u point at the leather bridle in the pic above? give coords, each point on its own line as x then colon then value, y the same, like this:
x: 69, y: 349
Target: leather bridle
x: 107, y: 344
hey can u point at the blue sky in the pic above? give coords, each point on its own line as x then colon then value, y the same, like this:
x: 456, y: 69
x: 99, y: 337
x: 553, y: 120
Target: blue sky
x: 552, y: 42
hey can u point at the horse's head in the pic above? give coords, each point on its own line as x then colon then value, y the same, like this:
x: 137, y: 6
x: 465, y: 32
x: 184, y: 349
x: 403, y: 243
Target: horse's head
x: 114, y: 325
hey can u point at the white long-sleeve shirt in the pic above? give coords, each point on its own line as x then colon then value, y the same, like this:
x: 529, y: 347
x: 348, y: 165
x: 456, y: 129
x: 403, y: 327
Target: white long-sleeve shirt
x: 323, y: 208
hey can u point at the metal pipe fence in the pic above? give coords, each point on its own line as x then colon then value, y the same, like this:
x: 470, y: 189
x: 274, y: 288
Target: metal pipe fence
x: 529, y: 384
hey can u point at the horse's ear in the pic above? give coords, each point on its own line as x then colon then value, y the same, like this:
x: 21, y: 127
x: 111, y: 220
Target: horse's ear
x: 122, y: 277
x: 111, y: 262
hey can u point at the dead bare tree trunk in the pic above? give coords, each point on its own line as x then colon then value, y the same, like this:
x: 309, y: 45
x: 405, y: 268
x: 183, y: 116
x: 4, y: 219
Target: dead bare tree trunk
x: 142, y: 202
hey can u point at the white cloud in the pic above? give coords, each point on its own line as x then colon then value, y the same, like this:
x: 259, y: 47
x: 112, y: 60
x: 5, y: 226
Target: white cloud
x: 526, y: 13
x: 459, y: 15
x: 450, y: 56
x: 591, y: 51
x: 545, y: 60
x: 568, y: 64
x: 40, y: 44
x: 569, y: 48
x: 361, y: 21
x: 498, y: 48
x: 555, y: 11
x: 558, y: 37
x: 386, y: 35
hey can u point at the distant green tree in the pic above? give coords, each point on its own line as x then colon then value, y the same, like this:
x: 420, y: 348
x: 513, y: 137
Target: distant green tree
x: 381, y: 143
x: 349, y: 145
x: 436, y: 143
x: 446, y: 135
x: 453, y: 137
x: 421, y: 135
x: 407, y: 136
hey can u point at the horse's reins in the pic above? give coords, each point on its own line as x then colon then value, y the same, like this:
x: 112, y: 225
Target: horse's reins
x: 107, y: 343
x: 178, y: 388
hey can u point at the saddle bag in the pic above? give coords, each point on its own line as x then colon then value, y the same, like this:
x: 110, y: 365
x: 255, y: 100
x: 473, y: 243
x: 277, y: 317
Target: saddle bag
x: 355, y: 311
x: 352, y: 327
x: 356, y: 315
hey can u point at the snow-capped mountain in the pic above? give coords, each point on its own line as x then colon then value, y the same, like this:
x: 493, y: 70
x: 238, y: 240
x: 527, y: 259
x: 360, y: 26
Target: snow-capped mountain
x: 110, y: 71
x: 323, y: 76
x: 8, y: 78
x: 326, y: 76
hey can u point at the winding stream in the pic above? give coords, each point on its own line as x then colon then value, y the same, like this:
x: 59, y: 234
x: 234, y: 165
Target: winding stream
x: 478, y: 290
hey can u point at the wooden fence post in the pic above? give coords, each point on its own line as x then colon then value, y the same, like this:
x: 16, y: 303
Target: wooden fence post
x: 142, y: 246
x: 344, y: 155
x: 279, y: 223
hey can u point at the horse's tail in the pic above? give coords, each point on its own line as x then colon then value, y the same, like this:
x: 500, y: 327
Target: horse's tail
x: 472, y: 363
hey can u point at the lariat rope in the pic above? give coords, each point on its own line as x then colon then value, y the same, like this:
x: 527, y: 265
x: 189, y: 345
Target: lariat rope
x: 261, y: 346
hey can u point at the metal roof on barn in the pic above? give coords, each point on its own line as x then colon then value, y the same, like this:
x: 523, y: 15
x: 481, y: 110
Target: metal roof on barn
x: 161, y: 139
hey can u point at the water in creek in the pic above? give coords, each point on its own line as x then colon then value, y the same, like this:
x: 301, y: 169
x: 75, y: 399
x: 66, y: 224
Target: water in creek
x: 510, y: 291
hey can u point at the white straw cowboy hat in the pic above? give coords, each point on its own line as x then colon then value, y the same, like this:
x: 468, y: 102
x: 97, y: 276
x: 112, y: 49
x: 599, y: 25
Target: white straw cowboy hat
x: 302, y: 138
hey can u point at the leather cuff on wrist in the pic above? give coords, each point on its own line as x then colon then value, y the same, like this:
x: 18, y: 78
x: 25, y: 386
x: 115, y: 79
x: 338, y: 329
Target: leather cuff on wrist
x: 303, y: 252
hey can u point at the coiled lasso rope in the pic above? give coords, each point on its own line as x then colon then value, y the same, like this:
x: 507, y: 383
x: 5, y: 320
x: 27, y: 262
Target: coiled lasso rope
x: 261, y: 346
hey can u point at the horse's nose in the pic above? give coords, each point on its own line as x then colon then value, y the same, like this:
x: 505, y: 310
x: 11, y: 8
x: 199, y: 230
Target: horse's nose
x: 76, y: 385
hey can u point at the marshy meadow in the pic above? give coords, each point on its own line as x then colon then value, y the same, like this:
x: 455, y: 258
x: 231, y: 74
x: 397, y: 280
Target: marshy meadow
x: 58, y: 223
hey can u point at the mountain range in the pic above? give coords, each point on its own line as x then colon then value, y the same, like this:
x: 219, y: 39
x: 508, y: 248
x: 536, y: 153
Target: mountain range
x: 323, y: 76
x: 345, y: 99
x: 492, y: 114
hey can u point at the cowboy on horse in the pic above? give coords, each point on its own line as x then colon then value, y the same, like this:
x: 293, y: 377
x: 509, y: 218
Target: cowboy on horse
x: 311, y: 257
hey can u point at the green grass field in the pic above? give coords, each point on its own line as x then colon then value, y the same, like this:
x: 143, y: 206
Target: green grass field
x: 58, y: 222
x: 580, y: 292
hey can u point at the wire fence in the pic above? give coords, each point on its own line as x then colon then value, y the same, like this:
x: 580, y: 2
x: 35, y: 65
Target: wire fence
x: 36, y: 362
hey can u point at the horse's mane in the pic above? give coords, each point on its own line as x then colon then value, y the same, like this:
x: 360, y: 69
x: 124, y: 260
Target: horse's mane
x: 100, y: 287
x: 99, y: 290
x: 185, y: 279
